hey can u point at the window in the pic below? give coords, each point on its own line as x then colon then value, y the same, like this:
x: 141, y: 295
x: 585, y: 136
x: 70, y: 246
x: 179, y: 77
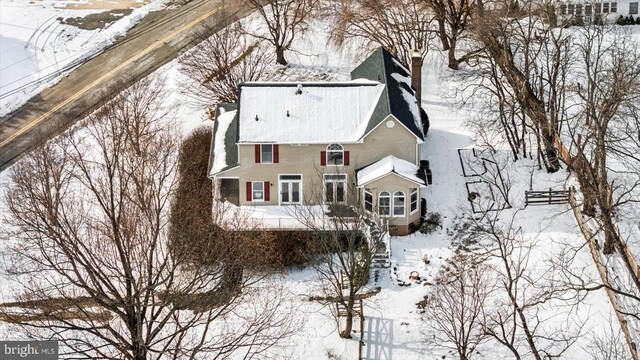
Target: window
x: 290, y: 189
x: 368, y: 200
x: 384, y: 204
x: 588, y: 9
x: 335, y: 154
x: 633, y: 8
x: 257, y: 191
x: 614, y: 7
x: 414, y: 200
x: 563, y: 9
x: 266, y: 153
x: 398, y: 203
x: 605, y: 8
x: 335, y: 188
x: 578, y: 9
x: 597, y: 8
x: 571, y: 7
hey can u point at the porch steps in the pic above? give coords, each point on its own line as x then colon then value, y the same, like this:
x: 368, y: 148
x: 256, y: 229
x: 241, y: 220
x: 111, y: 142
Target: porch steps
x: 381, y: 260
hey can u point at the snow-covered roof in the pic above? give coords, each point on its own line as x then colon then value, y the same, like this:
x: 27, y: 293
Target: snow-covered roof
x: 219, y: 148
x: 322, y: 113
x: 398, y: 98
x: 387, y: 165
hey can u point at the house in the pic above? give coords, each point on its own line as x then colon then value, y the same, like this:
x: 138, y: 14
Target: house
x: 313, y: 143
x: 596, y: 11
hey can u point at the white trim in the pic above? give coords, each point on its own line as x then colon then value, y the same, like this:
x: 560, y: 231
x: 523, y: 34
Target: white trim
x: 301, y: 182
x: 252, y: 192
x: 262, y: 162
x: 390, y: 206
x: 364, y: 199
x: 324, y: 187
x: 404, y: 206
x: 326, y: 154
x: 419, y: 141
x: 223, y: 171
x: 392, y: 173
x: 417, y: 201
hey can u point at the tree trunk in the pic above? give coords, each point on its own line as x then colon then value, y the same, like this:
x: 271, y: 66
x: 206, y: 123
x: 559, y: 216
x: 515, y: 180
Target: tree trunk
x: 280, y: 56
x: 610, y: 236
x: 346, y: 333
x: 442, y: 33
x: 454, y: 64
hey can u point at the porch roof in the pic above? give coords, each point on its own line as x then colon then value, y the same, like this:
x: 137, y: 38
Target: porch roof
x: 389, y: 165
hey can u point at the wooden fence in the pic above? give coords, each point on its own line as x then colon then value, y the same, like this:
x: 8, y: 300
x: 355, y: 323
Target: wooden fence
x: 550, y: 197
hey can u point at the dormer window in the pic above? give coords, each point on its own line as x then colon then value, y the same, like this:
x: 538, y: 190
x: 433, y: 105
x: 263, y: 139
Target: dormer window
x: 335, y: 155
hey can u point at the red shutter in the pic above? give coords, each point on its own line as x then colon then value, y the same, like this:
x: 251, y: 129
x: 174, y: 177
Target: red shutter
x: 276, y: 153
x: 257, y: 151
x: 249, y: 198
x: 323, y: 158
x: 266, y: 190
x: 346, y: 158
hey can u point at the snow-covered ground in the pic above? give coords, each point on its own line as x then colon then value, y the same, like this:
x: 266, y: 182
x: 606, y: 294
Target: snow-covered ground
x: 39, y: 44
x: 394, y: 327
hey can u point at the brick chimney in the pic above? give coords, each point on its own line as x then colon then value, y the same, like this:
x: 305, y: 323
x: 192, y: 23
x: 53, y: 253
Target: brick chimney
x: 416, y: 73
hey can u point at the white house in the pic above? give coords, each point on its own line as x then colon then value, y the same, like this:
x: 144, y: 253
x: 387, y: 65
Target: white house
x: 590, y: 11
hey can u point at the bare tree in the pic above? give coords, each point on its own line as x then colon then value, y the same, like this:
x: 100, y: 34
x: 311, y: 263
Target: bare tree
x: 605, y: 95
x: 282, y: 21
x: 524, y: 292
x: 219, y: 62
x: 530, y: 59
x: 397, y: 25
x: 348, y: 236
x: 90, y: 219
x: 453, y: 17
x: 456, y: 305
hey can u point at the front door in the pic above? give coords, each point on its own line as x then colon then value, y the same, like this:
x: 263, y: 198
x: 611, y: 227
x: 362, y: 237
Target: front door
x: 290, y: 189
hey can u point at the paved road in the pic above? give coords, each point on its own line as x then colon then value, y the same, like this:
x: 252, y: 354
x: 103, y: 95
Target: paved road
x: 159, y: 38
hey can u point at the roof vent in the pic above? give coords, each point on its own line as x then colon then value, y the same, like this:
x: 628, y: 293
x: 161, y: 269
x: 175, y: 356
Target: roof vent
x: 299, y: 89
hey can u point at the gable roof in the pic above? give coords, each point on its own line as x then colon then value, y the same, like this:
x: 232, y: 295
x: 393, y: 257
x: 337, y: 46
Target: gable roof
x: 388, y: 165
x: 398, y: 97
x: 292, y: 112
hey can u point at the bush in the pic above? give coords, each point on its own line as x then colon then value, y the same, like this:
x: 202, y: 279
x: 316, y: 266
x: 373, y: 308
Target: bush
x: 432, y: 223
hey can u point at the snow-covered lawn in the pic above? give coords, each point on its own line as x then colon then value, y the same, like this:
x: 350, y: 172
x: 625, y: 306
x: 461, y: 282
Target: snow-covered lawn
x: 38, y: 46
x: 394, y: 327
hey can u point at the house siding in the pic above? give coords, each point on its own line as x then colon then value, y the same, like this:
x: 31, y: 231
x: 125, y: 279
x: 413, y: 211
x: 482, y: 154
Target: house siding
x: 392, y: 183
x: 305, y: 160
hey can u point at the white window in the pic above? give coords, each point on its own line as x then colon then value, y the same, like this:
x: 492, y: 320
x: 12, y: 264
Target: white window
x: 578, y: 9
x: 563, y: 9
x: 290, y: 189
x: 384, y: 204
x: 605, y: 8
x: 571, y: 9
x: 257, y: 192
x: 398, y: 203
x: 614, y: 7
x: 414, y: 200
x: 633, y: 8
x: 335, y: 188
x: 335, y: 154
x: 588, y: 9
x: 266, y: 153
x: 368, y: 200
